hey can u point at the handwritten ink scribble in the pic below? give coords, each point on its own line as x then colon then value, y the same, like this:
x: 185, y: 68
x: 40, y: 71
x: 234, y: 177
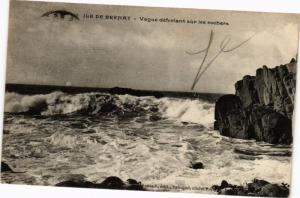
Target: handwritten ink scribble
x: 224, y: 43
x: 61, y: 14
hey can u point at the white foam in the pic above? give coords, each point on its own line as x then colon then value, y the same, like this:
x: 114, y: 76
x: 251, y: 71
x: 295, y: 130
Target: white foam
x: 21, y: 103
x: 182, y: 110
x: 187, y: 110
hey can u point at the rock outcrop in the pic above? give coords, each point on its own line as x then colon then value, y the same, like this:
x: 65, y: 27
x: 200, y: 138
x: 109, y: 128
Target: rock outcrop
x: 262, y: 107
x: 258, y: 188
x: 111, y: 182
x: 5, y: 167
x: 197, y: 165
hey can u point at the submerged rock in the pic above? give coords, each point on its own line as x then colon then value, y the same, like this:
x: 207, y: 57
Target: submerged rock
x: 78, y: 184
x: 111, y: 182
x: 197, y: 165
x: 116, y: 183
x: 5, y: 167
x: 262, y: 107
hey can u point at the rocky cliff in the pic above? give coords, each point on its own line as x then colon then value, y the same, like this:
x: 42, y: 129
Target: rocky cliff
x: 262, y: 107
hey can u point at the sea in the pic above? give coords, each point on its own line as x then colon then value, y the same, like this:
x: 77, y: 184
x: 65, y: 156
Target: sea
x: 58, y: 136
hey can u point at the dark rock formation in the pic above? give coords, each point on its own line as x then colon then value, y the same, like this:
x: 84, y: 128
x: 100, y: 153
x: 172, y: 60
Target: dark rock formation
x: 5, y: 167
x: 273, y: 190
x: 260, y: 188
x: 111, y: 182
x: 77, y: 184
x: 134, y: 185
x: 230, y: 118
x: 245, y: 90
x: 224, y: 184
x: 197, y: 165
x: 262, y: 107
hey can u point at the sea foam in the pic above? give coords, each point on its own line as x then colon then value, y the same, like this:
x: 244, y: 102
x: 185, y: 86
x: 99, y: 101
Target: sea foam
x: 182, y: 110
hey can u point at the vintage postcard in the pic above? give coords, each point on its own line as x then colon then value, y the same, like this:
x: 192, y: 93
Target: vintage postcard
x: 150, y: 99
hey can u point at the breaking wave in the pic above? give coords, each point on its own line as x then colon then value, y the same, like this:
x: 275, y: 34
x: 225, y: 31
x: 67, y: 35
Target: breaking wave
x: 59, y: 103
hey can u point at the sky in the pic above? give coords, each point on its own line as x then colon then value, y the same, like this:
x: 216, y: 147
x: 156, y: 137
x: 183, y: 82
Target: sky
x: 136, y: 54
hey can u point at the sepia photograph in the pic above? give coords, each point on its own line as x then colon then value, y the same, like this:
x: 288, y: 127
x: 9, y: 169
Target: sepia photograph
x: 150, y: 99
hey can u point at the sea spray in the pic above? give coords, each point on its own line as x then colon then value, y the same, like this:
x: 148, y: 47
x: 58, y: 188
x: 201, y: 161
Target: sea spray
x: 98, y: 135
x: 182, y: 110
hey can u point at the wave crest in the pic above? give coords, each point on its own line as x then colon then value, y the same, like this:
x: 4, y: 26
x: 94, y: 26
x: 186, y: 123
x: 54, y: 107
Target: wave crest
x: 59, y: 103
